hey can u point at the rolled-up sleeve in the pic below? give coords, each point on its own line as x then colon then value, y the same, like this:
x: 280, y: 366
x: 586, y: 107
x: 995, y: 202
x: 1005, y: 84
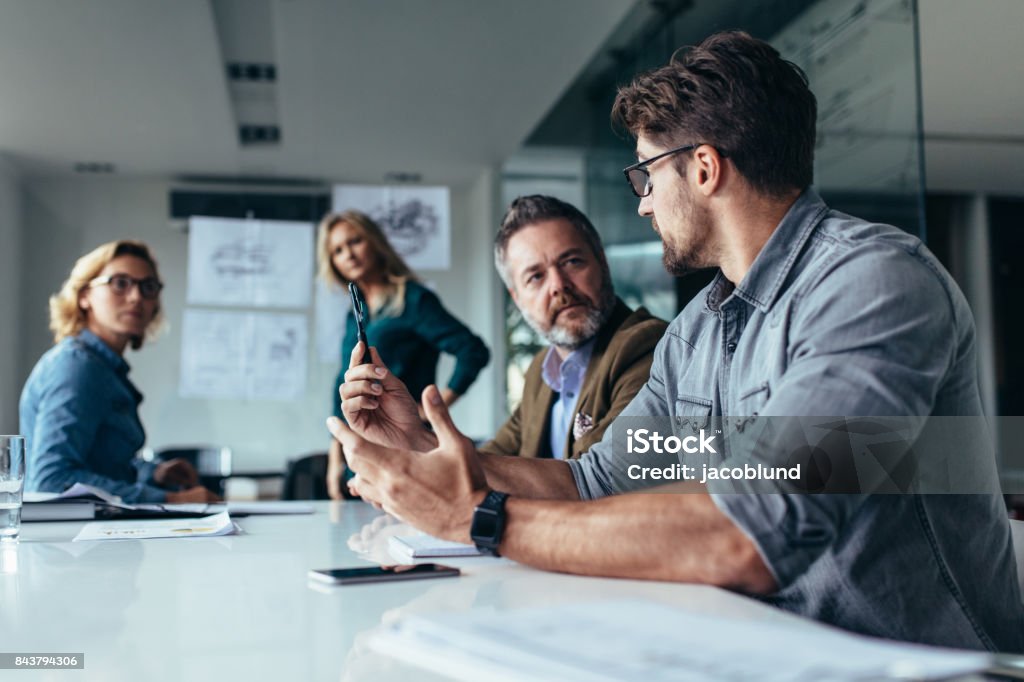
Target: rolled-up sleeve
x: 789, y: 531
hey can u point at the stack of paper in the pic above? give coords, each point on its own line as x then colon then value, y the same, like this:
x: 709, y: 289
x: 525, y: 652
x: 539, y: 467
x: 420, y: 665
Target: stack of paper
x: 82, y: 501
x: 76, y: 503
x: 78, y: 492
x: 637, y: 640
x: 57, y: 510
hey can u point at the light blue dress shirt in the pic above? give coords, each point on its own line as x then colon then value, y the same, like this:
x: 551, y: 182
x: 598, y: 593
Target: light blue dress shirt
x: 565, y: 377
x: 79, y: 415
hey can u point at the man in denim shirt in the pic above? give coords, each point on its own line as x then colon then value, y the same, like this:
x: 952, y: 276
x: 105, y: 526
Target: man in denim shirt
x: 812, y: 313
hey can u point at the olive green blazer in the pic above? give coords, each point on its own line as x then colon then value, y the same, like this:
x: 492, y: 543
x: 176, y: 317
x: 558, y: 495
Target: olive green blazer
x: 619, y: 366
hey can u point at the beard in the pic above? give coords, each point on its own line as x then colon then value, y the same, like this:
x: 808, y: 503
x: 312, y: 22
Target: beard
x: 693, y: 253
x: 676, y: 261
x: 574, y: 336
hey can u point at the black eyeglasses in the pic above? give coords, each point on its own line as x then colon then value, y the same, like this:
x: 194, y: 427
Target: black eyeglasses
x: 149, y: 287
x: 639, y: 178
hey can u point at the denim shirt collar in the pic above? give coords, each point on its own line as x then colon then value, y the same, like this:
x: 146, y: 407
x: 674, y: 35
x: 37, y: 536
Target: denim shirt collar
x: 105, y: 352
x: 762, y: 283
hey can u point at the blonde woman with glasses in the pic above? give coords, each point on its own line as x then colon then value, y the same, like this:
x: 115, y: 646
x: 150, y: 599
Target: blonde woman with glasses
x: 78, y: 409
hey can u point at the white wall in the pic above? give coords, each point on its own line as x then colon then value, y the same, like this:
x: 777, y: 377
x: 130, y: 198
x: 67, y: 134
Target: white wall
x: 973, y: 94
x: 66, y: 217
x: 469, y: 290
x: 10, y: 275
x: 472, y: 291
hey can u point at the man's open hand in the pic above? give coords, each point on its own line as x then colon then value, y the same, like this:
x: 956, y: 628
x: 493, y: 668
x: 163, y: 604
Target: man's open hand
x: 435, y: 491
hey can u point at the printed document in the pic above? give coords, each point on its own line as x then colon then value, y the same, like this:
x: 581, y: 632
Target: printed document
x: 204, y: 526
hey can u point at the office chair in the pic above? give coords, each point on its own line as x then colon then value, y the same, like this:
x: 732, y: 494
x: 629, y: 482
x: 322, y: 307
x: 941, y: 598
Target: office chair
x: 305, y: 478
x: 212, y: 463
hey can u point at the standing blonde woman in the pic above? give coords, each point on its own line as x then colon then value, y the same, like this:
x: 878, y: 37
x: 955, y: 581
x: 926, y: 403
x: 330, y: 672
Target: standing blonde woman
x: 78, y: 409
x: 407, y: 323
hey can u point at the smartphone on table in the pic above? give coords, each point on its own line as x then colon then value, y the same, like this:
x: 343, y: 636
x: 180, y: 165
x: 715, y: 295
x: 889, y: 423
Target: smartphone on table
x: 382, y: 574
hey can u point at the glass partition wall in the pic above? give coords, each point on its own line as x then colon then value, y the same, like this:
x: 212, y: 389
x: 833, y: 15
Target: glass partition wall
x: 861, y: 59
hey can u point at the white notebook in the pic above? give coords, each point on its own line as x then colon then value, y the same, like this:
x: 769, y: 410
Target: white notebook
x: 423, y: 546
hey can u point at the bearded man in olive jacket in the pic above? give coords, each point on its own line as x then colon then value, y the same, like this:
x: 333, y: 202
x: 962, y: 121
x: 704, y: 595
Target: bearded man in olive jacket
x: 551, y: 259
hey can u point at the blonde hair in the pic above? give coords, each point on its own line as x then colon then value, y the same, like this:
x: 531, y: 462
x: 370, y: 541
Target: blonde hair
x: 66, y: 315
x: 396, y: 272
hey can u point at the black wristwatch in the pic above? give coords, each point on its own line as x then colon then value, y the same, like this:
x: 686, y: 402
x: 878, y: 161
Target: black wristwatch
x: 489, y: 523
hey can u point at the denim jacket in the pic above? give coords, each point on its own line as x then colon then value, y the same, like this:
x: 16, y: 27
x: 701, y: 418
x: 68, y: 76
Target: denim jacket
x: 841, y: 317
x: 79, y: 416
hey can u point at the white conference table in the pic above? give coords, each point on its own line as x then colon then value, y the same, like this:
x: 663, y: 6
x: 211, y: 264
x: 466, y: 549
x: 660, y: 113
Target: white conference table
x: 241, y: 607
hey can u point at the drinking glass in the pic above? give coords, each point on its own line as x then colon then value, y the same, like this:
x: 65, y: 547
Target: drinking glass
x: 12, y: 482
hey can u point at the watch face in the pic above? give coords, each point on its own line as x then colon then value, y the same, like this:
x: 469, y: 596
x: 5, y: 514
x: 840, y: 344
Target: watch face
x: 489, y: 522
x: 485, y: 525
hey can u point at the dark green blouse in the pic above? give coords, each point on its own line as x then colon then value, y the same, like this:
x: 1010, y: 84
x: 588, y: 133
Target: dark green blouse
x: 411, y: 343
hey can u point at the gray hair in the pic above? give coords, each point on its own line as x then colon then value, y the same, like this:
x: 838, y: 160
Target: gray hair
x: 537, y: 208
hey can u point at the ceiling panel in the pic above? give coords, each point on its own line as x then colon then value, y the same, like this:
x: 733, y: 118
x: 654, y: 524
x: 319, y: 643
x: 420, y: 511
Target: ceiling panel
x: 443, y: 87
x: 127, y: 81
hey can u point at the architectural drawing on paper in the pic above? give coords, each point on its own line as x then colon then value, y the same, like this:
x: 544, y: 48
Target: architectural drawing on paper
x: 253, y: 263
x: 416, y: 219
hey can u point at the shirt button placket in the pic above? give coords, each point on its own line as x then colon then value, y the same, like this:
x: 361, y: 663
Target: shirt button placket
x: 730, y: 326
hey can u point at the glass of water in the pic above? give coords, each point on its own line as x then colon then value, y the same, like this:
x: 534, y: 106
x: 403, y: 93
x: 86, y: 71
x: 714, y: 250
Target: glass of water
x: 12, y: 481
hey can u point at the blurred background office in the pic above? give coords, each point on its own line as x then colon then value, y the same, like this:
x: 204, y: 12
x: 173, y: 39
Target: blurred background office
x: 124, y: 118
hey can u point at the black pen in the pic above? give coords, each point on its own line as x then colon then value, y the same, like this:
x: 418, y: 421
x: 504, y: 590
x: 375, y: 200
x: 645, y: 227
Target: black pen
x: 359, y: 310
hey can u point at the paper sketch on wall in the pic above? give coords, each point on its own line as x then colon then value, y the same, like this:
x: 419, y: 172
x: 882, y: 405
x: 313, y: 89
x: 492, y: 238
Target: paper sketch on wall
x: 417, y: 220
x: 242, y: 355
x: 249, y: 262
x: 332, y: 306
